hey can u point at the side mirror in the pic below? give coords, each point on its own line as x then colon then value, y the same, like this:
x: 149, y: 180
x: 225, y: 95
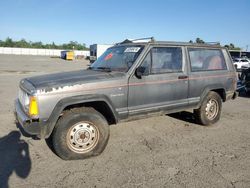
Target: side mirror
x: 141, y: 71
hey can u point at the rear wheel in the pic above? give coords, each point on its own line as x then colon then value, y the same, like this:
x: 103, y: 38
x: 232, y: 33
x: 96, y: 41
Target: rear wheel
x: 80, y: 133
x: 210, y: 109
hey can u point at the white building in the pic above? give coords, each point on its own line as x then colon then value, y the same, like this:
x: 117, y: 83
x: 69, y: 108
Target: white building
x: 43, y: 52
x: 98, y: 49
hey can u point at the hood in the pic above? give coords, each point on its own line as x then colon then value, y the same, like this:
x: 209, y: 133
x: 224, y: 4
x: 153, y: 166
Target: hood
x: 71, y: 78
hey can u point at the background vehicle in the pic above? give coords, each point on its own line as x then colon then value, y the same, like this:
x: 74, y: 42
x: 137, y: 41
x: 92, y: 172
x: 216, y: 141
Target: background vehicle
x: 245, y: 79
x: 128, y: 81
x: 240, y: 63
x: 96, y: 50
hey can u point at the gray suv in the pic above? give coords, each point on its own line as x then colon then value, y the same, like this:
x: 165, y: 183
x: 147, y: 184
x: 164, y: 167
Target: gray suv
x: 73, y: 110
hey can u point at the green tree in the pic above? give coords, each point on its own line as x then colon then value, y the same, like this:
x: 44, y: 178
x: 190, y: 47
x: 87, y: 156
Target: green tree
x: 37, y: 45
x: 198, y: 40
x: 54, y: 46
x: 9, y: 43
x: 24, y: 44
x: 231, y: 46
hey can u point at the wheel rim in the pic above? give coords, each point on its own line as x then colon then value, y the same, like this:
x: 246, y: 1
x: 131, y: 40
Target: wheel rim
x: 82, y: 137
x: 212, y: 109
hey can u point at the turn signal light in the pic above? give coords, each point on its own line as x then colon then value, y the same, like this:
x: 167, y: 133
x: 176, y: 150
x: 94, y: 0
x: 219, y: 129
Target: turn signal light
x: 33, y: 108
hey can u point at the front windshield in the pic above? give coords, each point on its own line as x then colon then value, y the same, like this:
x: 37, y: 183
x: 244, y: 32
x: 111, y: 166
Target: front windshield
x: 118, y: 58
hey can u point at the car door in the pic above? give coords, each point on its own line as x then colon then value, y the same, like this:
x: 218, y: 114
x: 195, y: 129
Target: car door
x: 164, y: 84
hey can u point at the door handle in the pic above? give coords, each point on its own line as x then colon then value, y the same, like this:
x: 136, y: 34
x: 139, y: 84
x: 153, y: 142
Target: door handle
x: 183, y: 77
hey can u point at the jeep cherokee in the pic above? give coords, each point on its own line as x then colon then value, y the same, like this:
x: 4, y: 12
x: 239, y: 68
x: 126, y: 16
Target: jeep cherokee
x: 73, y: 110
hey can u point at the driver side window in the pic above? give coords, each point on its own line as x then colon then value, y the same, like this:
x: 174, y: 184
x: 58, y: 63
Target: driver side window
x: 146, y: 64
x: 163, y: 60
x: 166, y: 60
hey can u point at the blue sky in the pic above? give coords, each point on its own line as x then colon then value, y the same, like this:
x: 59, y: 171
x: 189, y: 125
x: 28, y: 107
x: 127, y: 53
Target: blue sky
x: 110, y: 21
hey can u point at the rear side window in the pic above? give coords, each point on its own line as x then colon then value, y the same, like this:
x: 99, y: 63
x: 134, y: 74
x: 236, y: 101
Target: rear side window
x: 206, y: 59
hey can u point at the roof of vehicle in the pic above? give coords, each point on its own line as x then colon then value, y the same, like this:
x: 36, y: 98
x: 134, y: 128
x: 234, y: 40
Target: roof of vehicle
x: 240, y: 58
x: 145, y: 41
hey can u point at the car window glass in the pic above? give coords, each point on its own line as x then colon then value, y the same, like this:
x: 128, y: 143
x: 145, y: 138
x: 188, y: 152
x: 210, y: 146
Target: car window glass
x: 146, y: 64
x: 166, y: 60
x: 118, y: 58
x: 206, y: 59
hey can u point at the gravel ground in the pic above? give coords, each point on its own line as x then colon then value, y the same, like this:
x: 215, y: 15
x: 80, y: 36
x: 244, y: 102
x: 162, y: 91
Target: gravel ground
x: 165, y: 151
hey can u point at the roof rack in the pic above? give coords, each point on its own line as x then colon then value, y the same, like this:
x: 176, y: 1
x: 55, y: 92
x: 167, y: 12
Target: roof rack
x: 147, y: 39
x: 152, y: 40
x: 213, y: 43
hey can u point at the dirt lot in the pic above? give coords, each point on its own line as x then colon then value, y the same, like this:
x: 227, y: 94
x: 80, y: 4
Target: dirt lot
x: 166, y: 151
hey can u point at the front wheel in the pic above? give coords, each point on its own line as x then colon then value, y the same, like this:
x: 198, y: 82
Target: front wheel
x: 80, y: 133
x: 210, y: 109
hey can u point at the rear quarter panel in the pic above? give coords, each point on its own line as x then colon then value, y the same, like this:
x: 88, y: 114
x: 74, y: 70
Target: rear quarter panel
x: 201, y: 82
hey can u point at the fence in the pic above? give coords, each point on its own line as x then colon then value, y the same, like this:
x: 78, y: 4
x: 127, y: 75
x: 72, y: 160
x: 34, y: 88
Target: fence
x: 43, y: 52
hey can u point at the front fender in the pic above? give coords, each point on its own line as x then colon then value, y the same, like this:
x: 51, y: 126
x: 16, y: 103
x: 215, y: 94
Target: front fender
x: 74, y: 100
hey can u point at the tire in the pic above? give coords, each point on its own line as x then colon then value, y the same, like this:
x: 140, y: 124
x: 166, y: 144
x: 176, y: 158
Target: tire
x: 210, y: 109
x: 80, y: 133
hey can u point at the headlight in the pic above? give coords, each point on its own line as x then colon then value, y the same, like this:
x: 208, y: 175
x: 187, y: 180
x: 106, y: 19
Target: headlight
x: 29, y: 103
x: 24, y: 99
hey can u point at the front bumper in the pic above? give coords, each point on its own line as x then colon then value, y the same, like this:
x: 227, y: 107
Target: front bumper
x: 27, y: 124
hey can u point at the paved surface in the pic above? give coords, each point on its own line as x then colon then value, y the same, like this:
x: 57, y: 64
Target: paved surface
x: 166, y: 151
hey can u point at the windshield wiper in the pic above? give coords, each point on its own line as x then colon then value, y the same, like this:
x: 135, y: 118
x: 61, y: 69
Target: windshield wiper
x: 108, y: 69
